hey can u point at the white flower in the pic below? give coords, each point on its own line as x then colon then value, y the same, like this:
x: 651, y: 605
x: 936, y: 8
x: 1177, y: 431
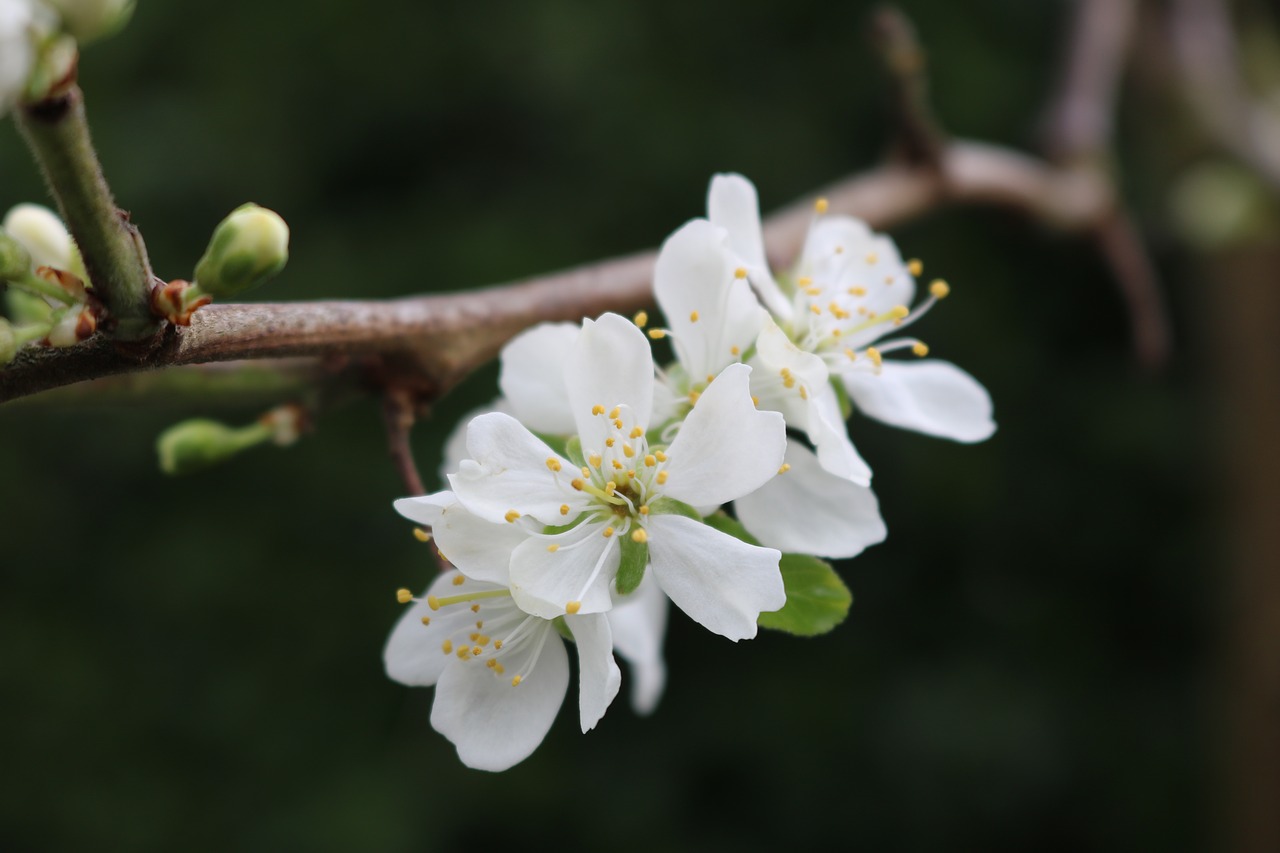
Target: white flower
x: 500, y: 674
x: 725, y: 448
x: 18, y: 20
x: 41, y: 233
x: 849, y: 289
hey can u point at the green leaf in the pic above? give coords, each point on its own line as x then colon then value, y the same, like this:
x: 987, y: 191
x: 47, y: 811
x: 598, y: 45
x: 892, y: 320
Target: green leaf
x: 573, y: 450
x: 671, y: 506
x: 635, y: 557
x: 817, y: 600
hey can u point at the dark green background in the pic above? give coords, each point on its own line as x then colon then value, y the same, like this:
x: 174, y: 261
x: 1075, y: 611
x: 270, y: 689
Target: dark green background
x: 195, y: 663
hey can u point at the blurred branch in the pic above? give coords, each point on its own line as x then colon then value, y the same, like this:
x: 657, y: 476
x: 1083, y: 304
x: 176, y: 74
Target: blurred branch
x: 398, y: 411
x: 919, y: 140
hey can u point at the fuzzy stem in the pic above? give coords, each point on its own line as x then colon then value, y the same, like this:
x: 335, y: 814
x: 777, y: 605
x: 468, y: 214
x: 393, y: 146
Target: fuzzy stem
x: 114, y: 256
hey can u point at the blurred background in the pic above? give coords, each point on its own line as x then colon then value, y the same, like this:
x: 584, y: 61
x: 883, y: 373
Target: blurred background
x: 1041, y: 656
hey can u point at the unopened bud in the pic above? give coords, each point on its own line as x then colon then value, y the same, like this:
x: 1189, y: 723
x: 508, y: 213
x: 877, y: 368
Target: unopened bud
x: 93, y: 19
x: 15, y: 260
x: 39, y: 230
x: 248, y: 247
x: 72, y: 325
x: 200, y: 443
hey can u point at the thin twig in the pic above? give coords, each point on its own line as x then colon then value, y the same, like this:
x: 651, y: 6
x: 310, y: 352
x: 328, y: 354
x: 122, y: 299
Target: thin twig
x: 399, y: 415
x: 919, y: 139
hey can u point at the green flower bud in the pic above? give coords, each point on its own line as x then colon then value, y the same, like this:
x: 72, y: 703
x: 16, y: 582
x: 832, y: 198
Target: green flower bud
x: 88, y: 20
x: 15, y: 260
x: 200, y: 443
x: 248, y: 247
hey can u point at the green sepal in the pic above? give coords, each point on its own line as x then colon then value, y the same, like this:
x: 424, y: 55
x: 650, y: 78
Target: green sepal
x: 817, y: 600
x: 671, y: 506
x: 846, y: 404
x: 635, y: 558
x: 573, y: 451
x: 556, y: 529
x: 563, y: 628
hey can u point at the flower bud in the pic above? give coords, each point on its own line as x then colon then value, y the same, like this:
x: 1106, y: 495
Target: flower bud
x: 17, y: 52
x: 200, y: 443
x: 248, y: 247
x: 39, y: 230
x: 15, y: 261
x: 88, y: 20
x: 8, y: 342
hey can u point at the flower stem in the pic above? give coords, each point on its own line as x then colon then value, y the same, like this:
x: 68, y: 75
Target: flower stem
x: 114, y: 256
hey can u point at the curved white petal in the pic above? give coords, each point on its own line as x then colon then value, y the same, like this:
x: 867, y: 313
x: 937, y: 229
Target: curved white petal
x: 41, y: 233
x: 732, y: 204
x: 726, y: 447
x: 842, y: 252
x: 639, y: 623
x: 412, y: 655
x: 496, y: 725
x: 713, y: 316
x: 508, y: 471
x: 481, y: 549
x: 532, y: 377
x: 826, y: 429
x: 580, y: 569
x: 455, y: 446
x: 933, y: 397
x: 808, y: 510
x: 721, y: 582
x: 598, y: 675
x: 611, y: 365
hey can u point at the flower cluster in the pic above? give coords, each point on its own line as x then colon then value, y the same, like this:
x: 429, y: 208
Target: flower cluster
x: 595, y: 490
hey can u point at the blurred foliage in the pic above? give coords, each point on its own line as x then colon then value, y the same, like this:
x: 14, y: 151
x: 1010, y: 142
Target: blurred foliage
x: 196, y: 662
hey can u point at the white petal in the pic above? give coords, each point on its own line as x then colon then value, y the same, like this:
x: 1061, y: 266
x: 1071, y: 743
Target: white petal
x: 543, y: 582
x: 611, y: 365
x: 532, y: 377
x: 808, y: 510
x: 932, y: 397
x: 493, y: 724
x: 639, y: 623
x: 712, y: 315
x: 508, y: 471
x: 598, y: 675
x: 826, y: 429
x: 776, y: 352
x: 39, y: 230
x: 721, y: 582
x: 413, y: 653
x: 726, y: 447
x: 842, y: 252
x: 481, y: 549
x: 732, y: 205
x: 455, y: 446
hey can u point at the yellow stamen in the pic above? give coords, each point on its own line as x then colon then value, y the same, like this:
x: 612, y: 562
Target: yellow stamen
x: 815, y: 309
x: 874, y: 355
x: 920, y: 348
x: 597, y: 409
x: 804, y: 393
x: 636, y: 432
x: 618, y: 466
x: 872, y: 258
x: 755, y: 401
x: 615, y: 412
x: 650, y: 461
x: 642, y: 318
x: 594, y: 460
x: 421, y: 535
x: 786, y: 466
x: 576, y: 483
x: 551, y: 549
x: 644, y: 510
x: 492, y: 663
x: 608, y: 531
x: 734, y: 351
x: 639, y: 535
x: 939, y: 289
x: 497, y: 645
x: 511, y: 516
x: 662, y: 457
x: 804, y: 281
x: 404, y: 596
x: 564, y: 509
x: 857, y: 291
x: 740, y: 272
x: 693, y: 397
x: 573, y: 607
x: 657, y: 334
x: 447, y: 647
x: 426, y: 620
x: 515, y: 682
x: 693, y: 316
x: 610, y: 441
x: 553, y: 463
x: 459, y: 580
x: 915, y: 266
x: 662, y: 477
x: 821, y: 206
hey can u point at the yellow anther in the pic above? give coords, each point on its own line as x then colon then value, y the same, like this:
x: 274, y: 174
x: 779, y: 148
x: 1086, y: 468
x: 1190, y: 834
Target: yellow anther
x: 459, y: 580
x: 693, y: 397
x: 821, y: 206
x: 511, y: 516
x: 657, y: 334
x: 788, y: 381
x: 631, y: 474
x: 610, y: 487
x: 662, y: 477
x: 693, y: 316
x: 872, y: 258
x: 734, y: 351
x: 515, y: 682
x: 939, y: 289
x: 755, y: 401
x: 786, y: 466
x: 628, y: 451
x: 853, y: 356
x: 804, y: 281
x: 500, y: 669
x: 447, y: 646
x: 551, y: 549
x: 608, y: 531
x: 662, y: 457
x: 813, y: 291
x: 615, y: 412
x: 617, y: 423
x: 898, y: 312
x: 404, y: 596
x: 564, y: 509
x: 426, y: 620
x: 835, y: 333
x: 815, y: 309
x: 650, y: 460
x: 497, y: 645
x: 804, y: 393
x: 740, y: 272
x: 475, y: 608
x: 920, y: 348
x: 475, y: 635
x: 636, y: 432
x: 594, y: 460
x: 463, y: 653
x: 491, y: 663
x: 433, y: 602
x: 553, y: 463
x: 476, y: 651
x: 874, y: 355
x: 597, y: 409
x: 857, y: 291
x: 479, y: 625
x: 573, y: 607
x: 644, y: 509
x: 889, y: 279
x: 839, y: 250
x: 586, y: 472
x: 642, y: 318
x: 834, y: 308
x: 610, y: 441
x: 576, y: 483
x: 482, y: 640
x: 639, y: 535
x: 421, y: 535
x: 915, y: 266
x: 618, y: 466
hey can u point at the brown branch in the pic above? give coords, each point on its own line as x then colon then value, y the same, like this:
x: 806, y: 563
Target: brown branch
x: 919, y: 139
x: 399, y: 413
x: 429, y: 343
